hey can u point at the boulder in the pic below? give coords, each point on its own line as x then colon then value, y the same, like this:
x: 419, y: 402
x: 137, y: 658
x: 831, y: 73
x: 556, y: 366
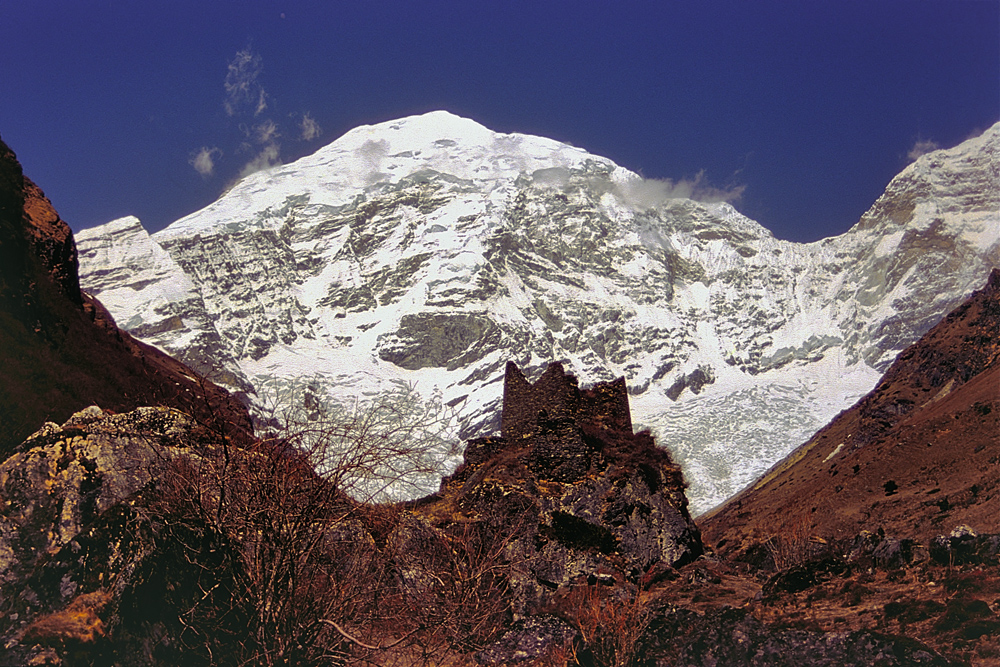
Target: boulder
x: 91, y: 559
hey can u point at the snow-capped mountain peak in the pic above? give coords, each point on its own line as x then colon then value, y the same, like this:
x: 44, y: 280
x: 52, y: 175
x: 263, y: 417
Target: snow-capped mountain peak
x: 429, y: 251
x: 372, y: 157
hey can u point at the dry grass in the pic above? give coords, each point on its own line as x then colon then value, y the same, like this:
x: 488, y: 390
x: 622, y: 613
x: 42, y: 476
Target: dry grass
x: 80, y: 622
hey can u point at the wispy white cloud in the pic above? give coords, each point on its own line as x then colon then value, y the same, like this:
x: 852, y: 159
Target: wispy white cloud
x: 652, y: 192
x: 203, y: 160
x: 370, y: 155
x: 243, y: 91
x: 310, y: 128
x: 922, y: 147
x: 266, y: 132
x: 246, y: 102
x: 269, y: 156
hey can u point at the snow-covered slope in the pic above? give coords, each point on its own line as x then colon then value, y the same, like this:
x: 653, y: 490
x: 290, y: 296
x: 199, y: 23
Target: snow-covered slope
x: 431, y: 250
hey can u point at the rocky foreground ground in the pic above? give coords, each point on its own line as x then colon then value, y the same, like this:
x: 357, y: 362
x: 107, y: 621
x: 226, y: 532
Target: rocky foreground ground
x: 147, y: 538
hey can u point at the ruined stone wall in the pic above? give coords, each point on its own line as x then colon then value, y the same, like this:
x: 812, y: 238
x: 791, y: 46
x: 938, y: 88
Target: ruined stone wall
x: 557, y: 393
x: 607, y: 404
x: 584, y: 498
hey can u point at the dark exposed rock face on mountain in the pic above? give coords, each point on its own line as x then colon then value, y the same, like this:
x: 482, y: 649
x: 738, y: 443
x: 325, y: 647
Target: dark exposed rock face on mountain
x: 60, y: 350
x: 590, y: 500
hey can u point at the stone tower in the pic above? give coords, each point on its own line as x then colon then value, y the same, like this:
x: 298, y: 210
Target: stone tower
x: 556, y: 396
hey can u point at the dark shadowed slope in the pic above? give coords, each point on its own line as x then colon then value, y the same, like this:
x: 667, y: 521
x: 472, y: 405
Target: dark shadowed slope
x: 917, y: 456
x: 60, y: 350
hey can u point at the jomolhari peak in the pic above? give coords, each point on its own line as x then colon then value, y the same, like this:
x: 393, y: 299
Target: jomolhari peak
x: 143, y: 520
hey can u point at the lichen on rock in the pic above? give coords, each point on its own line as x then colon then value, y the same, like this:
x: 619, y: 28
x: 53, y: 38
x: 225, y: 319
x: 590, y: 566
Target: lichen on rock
x: 65, y: 477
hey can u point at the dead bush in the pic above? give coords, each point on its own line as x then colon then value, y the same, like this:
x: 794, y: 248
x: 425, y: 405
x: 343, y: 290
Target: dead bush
x: 611, y: 621
x: 313, y: 569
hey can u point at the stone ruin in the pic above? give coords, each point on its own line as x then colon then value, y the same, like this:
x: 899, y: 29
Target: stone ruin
x: 551, y: 411
x: 594, y: 501
x: 556, y: 395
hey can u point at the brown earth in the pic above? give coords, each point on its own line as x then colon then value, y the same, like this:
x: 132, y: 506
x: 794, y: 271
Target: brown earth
x: 952, y: 609
x: 844, y: 535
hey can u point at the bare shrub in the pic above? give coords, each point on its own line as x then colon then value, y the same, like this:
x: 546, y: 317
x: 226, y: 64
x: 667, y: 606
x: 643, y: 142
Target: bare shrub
x: 474, y: 601
x: 314, y: 570
x: 449, y: 594
x: 391, y: 447
x: 611, y: 620
x: 792, y: 544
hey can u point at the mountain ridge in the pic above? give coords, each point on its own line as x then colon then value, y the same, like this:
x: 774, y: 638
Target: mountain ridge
x: 429, y: 251
x: 60, y: 348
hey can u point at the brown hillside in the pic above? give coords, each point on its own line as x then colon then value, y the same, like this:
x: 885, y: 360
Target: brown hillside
x: 60, y: 350
x: 917, y: 456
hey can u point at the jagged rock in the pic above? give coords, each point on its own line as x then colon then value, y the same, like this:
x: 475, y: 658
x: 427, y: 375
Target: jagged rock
x: 885, y: 551
x: 695, y: 381
x: 583, y: 498
x: 894, y: 553
x: 451, y: 341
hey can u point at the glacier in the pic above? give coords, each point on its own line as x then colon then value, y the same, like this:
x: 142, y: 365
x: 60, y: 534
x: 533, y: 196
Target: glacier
x: 428, y: 251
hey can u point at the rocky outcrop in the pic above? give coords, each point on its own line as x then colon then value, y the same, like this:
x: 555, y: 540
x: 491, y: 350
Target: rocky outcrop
x: 66, y: 477
x: 52, y: 241
x: 582, y: 499
x: 734, y: 637
x: 85, y: 566
x: 140, y: 533
x: 145, y: 538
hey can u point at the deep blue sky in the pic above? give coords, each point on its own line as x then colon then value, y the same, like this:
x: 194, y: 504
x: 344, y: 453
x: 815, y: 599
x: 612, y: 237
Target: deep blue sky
x: 812, y: 105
